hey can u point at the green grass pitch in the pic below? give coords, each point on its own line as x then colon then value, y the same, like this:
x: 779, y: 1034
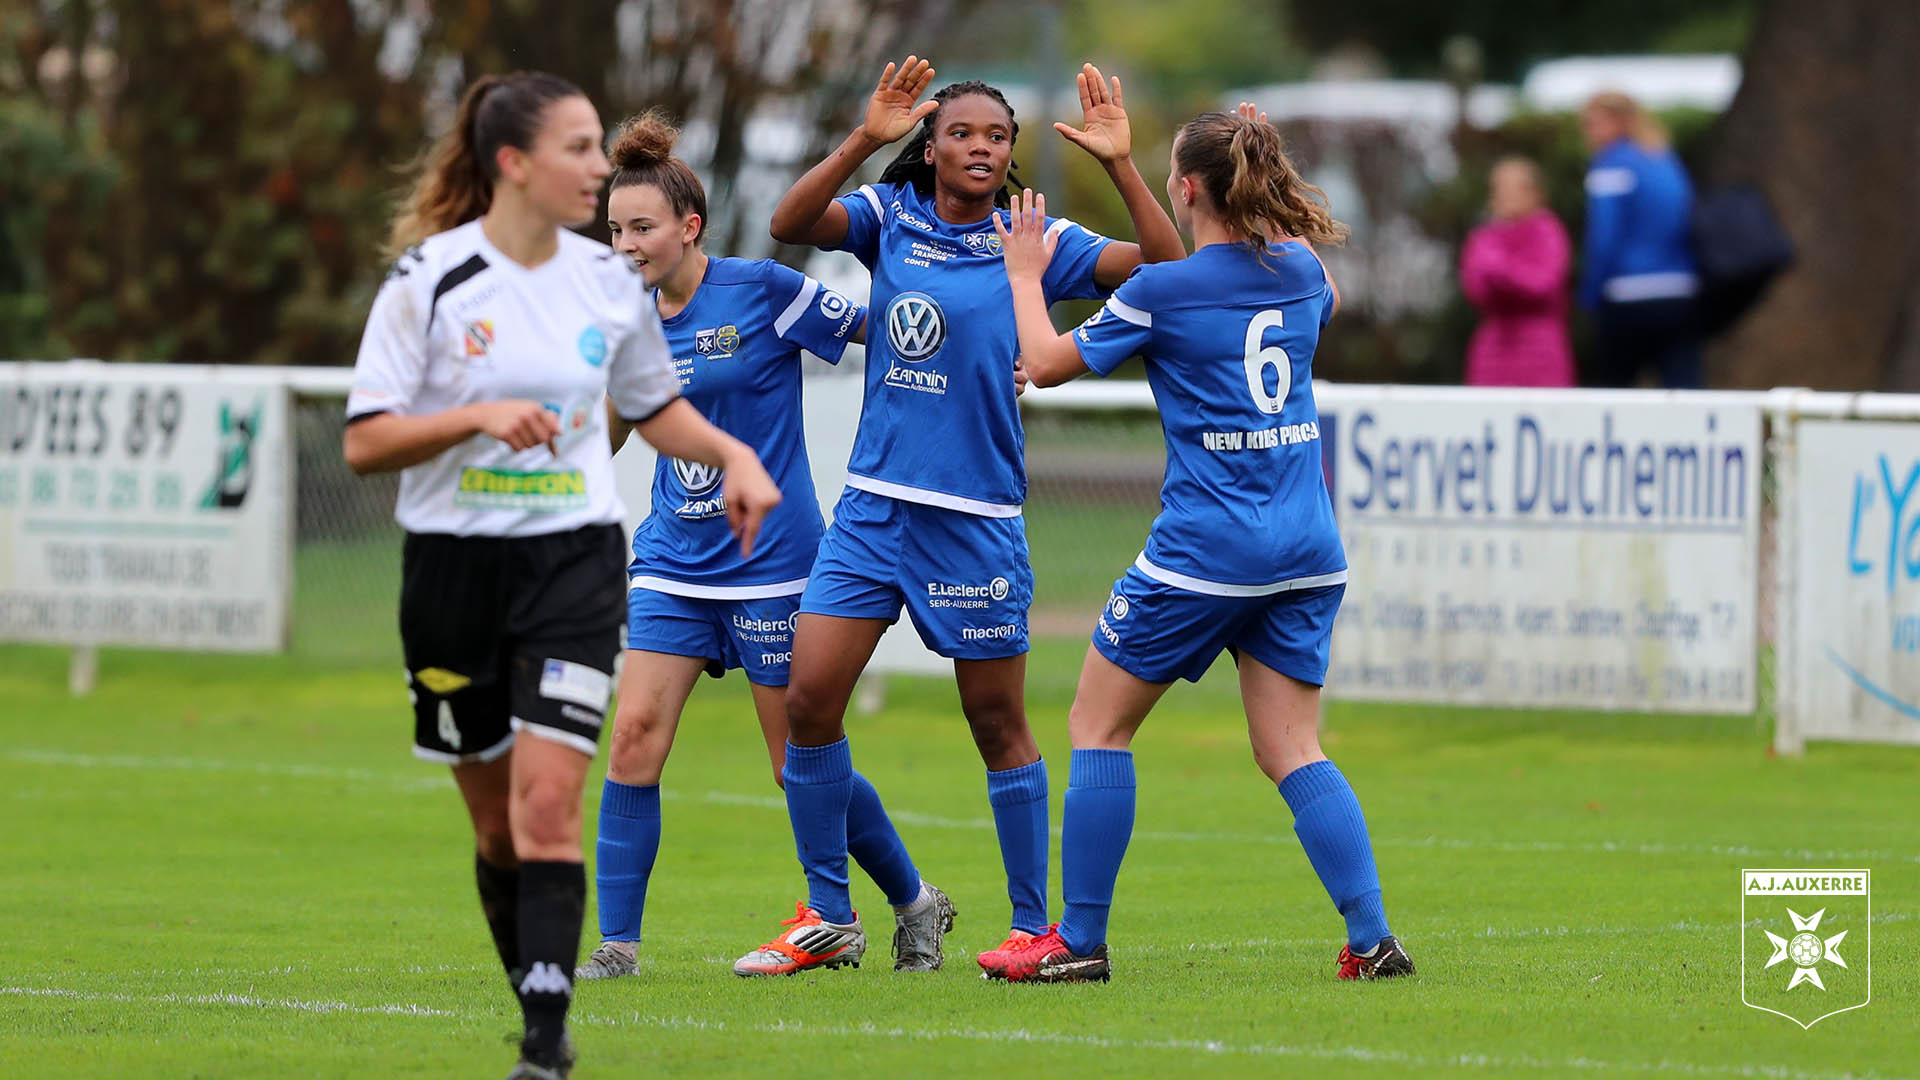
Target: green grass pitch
x: 231, y: 867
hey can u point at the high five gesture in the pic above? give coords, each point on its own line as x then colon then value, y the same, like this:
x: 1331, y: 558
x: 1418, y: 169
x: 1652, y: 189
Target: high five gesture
x: 891, y: 111
x: 1104, y: 132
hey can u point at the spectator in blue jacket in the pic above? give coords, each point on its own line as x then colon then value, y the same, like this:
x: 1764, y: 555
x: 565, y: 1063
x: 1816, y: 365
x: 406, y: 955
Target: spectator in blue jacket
x: 1639, y: 279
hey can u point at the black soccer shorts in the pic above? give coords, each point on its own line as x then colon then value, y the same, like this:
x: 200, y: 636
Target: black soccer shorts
x: 511, y: 634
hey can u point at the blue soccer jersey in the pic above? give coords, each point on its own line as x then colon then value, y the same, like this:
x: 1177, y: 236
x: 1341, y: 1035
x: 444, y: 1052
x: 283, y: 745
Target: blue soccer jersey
x: 736, y: 352
x: 939, y: 424
x: 1228, y: 341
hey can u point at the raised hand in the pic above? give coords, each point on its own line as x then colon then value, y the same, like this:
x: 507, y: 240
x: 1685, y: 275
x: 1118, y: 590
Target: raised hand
x: 1104, y: 132
x: 1248, y: 111
x: 891, y: 111
x: 1026, y: 249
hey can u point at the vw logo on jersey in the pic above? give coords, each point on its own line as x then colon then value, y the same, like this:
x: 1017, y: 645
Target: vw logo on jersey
x: 696, y: 476
x: 916, y: 327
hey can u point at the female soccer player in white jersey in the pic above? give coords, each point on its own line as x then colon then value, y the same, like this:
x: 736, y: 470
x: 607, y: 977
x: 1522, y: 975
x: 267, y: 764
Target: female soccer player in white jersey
x: 931, y: 516
x: 695, y: 603
x: 1245, y: 555
x: 486, y: 358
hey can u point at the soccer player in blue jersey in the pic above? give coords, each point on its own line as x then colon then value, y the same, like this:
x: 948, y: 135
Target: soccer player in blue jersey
x: 931, y: 518
x: 696, y: 602
x: 1245, y: 555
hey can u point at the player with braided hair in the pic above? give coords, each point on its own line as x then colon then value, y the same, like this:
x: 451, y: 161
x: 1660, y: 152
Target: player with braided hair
x: 930, y: 520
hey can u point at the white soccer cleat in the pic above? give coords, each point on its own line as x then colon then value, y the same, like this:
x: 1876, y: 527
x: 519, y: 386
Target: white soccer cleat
x: 809, y: 942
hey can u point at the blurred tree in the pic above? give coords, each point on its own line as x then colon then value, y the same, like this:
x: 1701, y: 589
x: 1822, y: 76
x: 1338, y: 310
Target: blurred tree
x: 1826, y: 125
x: 1515, y: 33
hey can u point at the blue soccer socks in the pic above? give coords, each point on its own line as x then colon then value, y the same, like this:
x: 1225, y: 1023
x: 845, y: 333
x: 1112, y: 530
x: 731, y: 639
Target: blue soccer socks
x: 623, y: 856
x: 1327, y: 818
x: 819, y: 782
x: 1093, y: 841
x: 1019, y: 798
x: 875, y: 844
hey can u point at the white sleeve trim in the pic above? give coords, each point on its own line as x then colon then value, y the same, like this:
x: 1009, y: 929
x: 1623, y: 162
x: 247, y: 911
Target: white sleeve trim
x: 1059, y: 226
x: 796, y: 309
x: 1123, y: 310
x: 1608, y: 182
x: 1221, y: 588
x: 873, y: 199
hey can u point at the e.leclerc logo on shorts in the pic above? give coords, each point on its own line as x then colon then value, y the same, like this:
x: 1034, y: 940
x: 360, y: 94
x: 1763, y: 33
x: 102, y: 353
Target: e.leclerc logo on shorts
x: 946, y: 594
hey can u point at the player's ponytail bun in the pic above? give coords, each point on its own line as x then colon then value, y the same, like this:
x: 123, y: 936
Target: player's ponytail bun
x: 642, y: 153
x: 1257, y: 192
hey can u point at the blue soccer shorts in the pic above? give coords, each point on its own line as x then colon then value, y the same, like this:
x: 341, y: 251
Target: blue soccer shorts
x: 963, y: 579
x: 1160, y: 632
x: 755, y: 635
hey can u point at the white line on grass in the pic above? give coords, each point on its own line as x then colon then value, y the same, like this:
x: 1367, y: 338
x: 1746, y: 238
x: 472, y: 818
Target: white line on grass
x: 441, y: 782
x: 1683, y: 926
x: 245, y: 1000
x: 1217, y: 1048
x: 424, y: 781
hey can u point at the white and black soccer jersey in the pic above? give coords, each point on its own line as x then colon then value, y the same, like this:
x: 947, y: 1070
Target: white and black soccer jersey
x: 458, y: 323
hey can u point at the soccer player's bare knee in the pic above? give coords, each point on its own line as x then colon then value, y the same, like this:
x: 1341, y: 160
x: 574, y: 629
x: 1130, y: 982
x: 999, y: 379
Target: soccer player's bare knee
x: 999, y: 725
x: 1092, y: 728
x: 815, y: 712
x: 636, y: 753
x: 546, y: 818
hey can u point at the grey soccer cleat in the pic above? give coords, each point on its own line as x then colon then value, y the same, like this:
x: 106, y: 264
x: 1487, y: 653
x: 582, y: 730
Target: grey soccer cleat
x: 610, y: 961
x: 917, y: 937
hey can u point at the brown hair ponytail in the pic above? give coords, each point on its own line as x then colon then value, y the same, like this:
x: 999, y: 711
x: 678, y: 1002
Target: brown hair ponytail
x: 1244, y: 169
x: 642, y: 153
x: 455, y: 177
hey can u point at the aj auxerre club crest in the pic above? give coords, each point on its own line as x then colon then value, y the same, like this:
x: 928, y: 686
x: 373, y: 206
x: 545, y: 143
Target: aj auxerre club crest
x: 717, y: 343
x: 1806, y: 945
x: 916, y: 327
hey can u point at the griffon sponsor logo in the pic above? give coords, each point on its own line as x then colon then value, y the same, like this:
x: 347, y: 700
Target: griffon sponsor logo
x: 490, y: 489
x: 943, y: 594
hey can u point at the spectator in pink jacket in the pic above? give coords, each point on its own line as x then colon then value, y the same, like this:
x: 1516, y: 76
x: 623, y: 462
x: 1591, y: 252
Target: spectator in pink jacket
x: 1514, y: 271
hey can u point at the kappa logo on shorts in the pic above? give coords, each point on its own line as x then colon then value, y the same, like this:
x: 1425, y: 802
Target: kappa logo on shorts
x: 564, y: 680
